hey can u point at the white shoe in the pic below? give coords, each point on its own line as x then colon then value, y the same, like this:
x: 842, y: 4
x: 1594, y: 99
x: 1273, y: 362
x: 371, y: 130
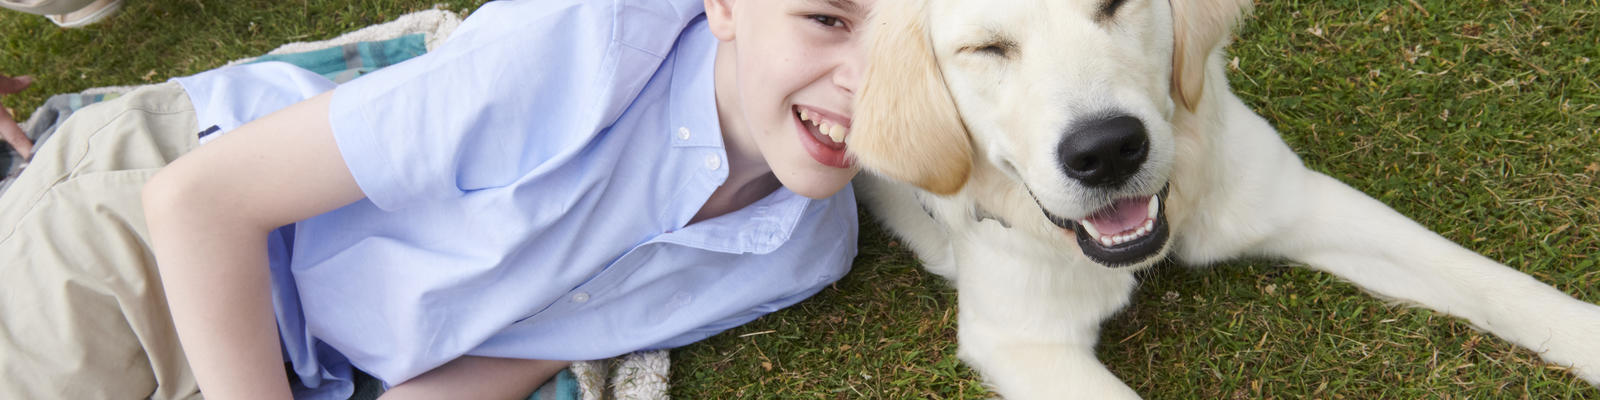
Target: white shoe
x: 92, y: 13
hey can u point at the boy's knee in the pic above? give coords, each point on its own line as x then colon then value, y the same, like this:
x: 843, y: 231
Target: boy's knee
x: 82, y: 315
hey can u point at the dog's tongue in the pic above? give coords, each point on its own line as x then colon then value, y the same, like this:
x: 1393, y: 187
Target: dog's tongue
x: 1122, y: 216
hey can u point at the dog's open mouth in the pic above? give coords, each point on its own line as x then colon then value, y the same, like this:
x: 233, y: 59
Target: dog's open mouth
x: 1127, y: 232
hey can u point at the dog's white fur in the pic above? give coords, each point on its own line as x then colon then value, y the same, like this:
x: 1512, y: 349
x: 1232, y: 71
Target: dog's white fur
x: 966, y: 136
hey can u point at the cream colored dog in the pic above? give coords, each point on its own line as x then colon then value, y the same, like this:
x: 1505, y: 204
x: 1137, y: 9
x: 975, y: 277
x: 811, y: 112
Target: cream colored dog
x: 1039, y: 152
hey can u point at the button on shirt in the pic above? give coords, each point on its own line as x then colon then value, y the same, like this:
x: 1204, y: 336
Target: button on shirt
x: 528, y: 188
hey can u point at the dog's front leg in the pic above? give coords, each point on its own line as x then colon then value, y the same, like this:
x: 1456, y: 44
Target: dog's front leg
x: 1029, y: 324
x: 1335, y: 228
x: 1018, y: 370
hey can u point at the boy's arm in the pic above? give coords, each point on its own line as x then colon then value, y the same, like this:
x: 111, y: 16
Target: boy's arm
x: 471, y: 377
x: 209, y: 213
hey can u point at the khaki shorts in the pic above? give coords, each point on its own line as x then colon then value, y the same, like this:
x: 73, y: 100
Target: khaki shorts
x: 82, y: 313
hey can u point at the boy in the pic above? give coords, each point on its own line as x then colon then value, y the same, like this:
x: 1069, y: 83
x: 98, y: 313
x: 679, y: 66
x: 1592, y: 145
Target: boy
x: 561, y: 180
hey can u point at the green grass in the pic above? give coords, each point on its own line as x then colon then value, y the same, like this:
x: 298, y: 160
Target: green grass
x: 1480, y: 119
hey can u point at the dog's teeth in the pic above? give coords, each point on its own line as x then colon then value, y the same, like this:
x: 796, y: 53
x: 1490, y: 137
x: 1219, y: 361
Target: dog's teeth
x: 836, y: 133
x: 1089, y: 229
x: 805, y: 115
x: 1155, y: 206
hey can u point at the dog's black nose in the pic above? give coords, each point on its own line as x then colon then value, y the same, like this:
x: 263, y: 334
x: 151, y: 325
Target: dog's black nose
x: 1104, y: 151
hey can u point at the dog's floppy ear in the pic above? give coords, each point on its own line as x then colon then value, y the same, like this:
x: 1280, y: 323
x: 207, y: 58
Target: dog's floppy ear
x: 906, y: 126
x: 1199, y: 27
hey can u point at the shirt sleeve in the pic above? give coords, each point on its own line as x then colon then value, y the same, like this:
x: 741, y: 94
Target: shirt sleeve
x: 517, y: 85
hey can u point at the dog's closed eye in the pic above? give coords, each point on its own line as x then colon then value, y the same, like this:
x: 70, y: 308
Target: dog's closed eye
x: 995, y: 46
x: 1109, y: 9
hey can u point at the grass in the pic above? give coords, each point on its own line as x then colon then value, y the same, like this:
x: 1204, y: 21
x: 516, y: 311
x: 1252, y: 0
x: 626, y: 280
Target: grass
x: 1480, y: 119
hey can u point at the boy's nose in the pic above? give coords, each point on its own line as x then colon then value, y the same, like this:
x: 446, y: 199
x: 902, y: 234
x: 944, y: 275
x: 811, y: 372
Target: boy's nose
x: 848, y: 74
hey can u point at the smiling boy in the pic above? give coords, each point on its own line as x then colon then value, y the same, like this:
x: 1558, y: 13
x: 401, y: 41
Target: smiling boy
x: 561, y: 180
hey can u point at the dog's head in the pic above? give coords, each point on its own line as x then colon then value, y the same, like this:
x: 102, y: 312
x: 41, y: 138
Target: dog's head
x: 1071, y: 98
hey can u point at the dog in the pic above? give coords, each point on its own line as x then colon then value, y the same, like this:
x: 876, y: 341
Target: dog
x: 1038, y: 153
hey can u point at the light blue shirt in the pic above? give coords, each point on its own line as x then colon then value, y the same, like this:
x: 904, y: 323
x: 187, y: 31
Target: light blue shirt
x: 528, y: 188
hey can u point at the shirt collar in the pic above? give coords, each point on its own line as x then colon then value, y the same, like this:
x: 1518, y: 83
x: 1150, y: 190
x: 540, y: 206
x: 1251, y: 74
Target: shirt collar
x: 693, y: 100
x: 758, y: 228
x: 762, y: 226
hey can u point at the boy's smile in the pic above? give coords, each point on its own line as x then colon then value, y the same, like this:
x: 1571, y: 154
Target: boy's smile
x: 822, y: 134
x: 786, y: 74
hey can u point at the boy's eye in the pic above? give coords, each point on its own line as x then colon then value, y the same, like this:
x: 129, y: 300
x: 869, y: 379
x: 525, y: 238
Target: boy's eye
x: 828, y: 21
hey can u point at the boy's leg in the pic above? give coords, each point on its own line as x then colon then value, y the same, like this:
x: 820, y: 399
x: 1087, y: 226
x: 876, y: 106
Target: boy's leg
x: 82, y: 313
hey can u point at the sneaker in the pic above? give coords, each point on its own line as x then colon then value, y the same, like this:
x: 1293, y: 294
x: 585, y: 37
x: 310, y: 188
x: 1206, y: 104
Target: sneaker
x: 89, y: 14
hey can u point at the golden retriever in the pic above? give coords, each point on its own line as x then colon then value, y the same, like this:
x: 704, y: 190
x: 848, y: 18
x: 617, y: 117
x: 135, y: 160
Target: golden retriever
x: 1039, y: 152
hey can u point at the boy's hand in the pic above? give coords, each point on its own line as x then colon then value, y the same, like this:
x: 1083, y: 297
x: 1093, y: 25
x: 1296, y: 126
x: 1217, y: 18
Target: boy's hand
x: 9, y: 130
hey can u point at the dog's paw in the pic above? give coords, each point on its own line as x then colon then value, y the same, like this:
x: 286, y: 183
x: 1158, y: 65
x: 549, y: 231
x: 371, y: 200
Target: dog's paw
x: 1590, y: 375
x: 944, y: 269
x: 1587, y: 371
x: 1587, y: 364
x: 1578, y: 348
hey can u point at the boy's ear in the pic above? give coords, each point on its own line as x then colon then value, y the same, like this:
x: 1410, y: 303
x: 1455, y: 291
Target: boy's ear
x: 1199, y: 27
x: 719, y: 14
x: 906, y: 126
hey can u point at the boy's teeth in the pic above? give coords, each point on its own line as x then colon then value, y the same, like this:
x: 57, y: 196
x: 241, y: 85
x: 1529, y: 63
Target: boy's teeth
x: 832, y: 131
x: 836, y: 133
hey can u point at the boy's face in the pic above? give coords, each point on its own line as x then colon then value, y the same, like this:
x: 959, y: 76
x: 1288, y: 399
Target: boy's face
x: 795, y: 66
